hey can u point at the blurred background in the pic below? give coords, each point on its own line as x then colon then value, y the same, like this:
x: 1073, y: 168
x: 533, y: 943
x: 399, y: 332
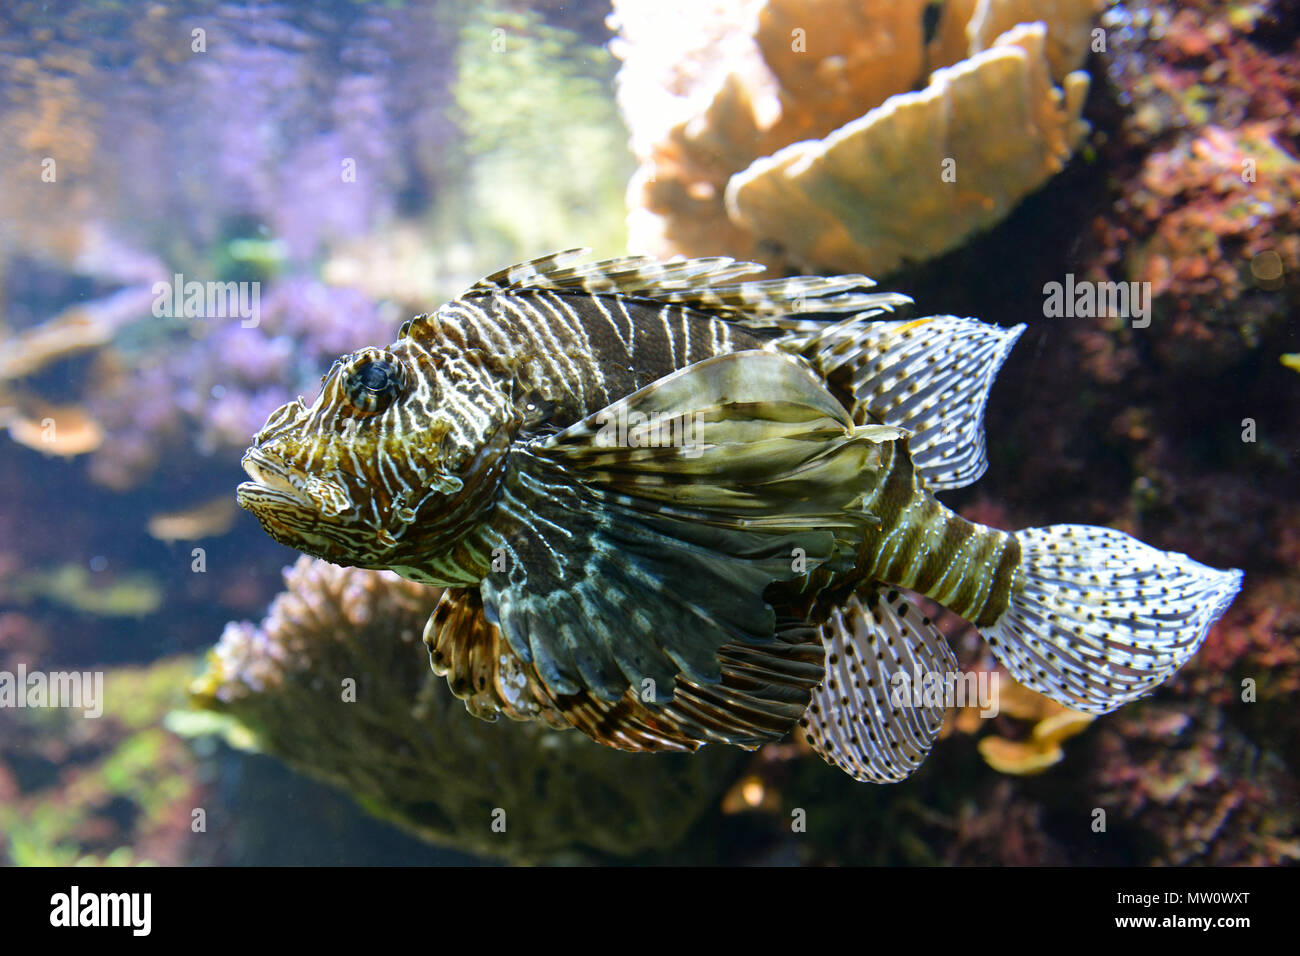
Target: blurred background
x: 356, y: 163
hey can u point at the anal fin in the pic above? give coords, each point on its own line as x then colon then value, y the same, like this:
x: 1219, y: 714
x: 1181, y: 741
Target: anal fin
x: 864, y: 718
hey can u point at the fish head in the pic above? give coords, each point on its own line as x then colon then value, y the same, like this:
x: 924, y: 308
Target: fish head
x: 396, y: 453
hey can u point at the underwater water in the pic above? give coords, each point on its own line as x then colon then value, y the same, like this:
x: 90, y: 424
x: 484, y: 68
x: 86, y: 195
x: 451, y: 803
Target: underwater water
x: 204, y: 204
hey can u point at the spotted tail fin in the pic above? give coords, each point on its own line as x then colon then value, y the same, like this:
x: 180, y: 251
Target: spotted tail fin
x: 1097, y: 618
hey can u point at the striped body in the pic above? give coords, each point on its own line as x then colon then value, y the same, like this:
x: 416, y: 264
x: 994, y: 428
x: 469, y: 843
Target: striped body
x: 968, y: 568
x: 576, y: 354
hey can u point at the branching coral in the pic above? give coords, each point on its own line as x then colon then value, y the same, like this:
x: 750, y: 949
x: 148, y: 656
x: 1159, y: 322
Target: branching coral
x: 336, y: 682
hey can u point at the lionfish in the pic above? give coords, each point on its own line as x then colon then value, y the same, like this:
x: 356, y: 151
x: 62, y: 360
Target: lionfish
x: 669, y: 506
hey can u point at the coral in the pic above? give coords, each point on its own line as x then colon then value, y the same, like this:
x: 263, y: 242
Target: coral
x: 1068, y: 22
x: 832, y: 57
x: 289, y: 123
x: 400, y: 743
x: 1003, y: 828
x: 1208, y: 214
x: 48, y: 150
x: 118, y: 789
x: 871, y: 196
x: 1249, y: 667
x: 1052, y: 724
x: 65, y: 430
x: 206, y: 520
x: 744, y: 80
x: 703, y: 100
x: 1222, y: 208
x: 81, y: 328
x: 210, y: 383
x: 1198, y: 790
x: 52, y: 430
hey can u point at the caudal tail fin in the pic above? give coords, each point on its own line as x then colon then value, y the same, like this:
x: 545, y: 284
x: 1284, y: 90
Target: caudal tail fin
x: 1097, y: 618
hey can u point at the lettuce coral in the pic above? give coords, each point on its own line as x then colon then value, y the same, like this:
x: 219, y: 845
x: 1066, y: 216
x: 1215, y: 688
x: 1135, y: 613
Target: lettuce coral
x: 712, y: 91
x: 915, y: 177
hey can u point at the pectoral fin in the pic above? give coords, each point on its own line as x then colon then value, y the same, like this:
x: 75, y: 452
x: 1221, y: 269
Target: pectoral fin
x: 761, y: 694
x: 627, y: 564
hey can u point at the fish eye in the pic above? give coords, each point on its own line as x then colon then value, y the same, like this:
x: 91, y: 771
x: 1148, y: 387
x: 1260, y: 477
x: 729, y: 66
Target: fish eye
x: 372, y: 383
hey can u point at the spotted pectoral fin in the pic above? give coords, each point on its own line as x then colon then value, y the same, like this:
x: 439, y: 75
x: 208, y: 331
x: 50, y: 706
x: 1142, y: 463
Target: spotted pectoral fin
x: 880, y: 707
x: 480, y: 667
x: 931, y: 376
x: 628, y: 566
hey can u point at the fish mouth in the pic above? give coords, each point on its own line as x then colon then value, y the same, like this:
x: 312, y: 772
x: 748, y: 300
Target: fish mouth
x: 274, y: 482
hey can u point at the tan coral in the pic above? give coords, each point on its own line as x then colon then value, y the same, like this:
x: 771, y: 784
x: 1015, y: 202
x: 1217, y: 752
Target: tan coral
x: 872, y: 195
x: 1053, y: 724
x: 1049, y: 725
x: 950, y: 42
x: 210, y: 519
x: 62, y: 430
x: 1068, y: 22
x: 708, y: 87
x: 834, y: 58
x: 80, y: 328
x: 1040, y: 751
x: 75, y: 330
x: 699, y: 98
